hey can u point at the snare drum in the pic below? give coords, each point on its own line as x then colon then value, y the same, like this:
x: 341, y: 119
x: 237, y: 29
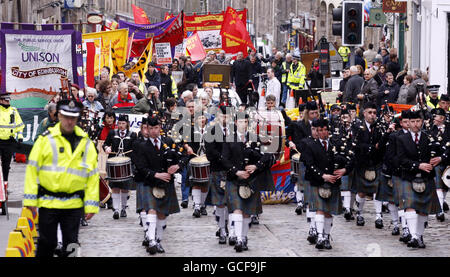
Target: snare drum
x: 199, y: 168
x: 295, y: 164
x: 119, y: 169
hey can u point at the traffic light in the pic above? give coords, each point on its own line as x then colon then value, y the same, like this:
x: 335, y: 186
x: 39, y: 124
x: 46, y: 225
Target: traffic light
x: 337, y: 22
x: 352, y: 23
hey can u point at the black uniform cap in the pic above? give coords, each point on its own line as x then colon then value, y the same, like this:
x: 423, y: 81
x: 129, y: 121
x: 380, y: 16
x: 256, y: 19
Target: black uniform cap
x: 69, y: 108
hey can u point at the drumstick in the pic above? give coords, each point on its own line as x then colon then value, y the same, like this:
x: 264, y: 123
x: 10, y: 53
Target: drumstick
x: 123, y: 153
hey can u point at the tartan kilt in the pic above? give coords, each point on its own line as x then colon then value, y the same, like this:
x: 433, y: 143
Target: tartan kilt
x: 426, y: 202
x: 125, y: 185
x: 346, y: 182
x: 361, y: 185
x: 250, y: 206
x: 332, y: 205
x: 398, y: 192
x: 384, y: 192
x: 168, y: 205
x: 439, y: 182
x: 139, y: 196
x: 217, y: 195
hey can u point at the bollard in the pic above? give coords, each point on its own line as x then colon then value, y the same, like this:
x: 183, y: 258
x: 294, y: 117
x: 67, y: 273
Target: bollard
x: 29, y: 216
x: 16, y: 240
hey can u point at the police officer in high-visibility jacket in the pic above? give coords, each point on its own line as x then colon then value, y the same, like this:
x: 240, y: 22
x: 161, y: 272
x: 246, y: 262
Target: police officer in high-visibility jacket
x: 344, y: 51
x: 11, y: 127
x: 296, y: 76
x: 62, y: 179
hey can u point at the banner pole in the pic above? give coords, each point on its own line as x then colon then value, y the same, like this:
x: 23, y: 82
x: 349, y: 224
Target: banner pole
x: 131, y: 45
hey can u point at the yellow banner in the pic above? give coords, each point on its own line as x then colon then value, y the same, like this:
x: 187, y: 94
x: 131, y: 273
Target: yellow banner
x: 117, y: 40
x: 141, y: 66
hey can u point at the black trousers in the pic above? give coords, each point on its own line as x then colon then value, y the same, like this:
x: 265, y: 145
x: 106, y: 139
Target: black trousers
x: 69, y: 219
x: 6, y: 152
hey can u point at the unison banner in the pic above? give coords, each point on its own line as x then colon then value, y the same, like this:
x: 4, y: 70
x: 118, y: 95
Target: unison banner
x: 33, y: 63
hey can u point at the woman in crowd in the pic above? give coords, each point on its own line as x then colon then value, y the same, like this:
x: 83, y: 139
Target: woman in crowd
x: 90, y: 102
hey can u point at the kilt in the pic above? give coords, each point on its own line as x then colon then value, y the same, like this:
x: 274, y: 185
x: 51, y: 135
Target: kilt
x: 385, y: 192
x: 398, y: 192
x: 347, y: 181
x: 362, y: 185
x: 217, y: 195
x: 332, y: 205
x: 139, y: 196
x: 168, y: 205
x: 426, y: 202
x: 125, y: 185
x: 250, y: 206
x: 439, y: 182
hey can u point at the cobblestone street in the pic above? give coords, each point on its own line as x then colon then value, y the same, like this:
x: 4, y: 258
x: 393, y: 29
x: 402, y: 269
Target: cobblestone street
x: 281, y: 233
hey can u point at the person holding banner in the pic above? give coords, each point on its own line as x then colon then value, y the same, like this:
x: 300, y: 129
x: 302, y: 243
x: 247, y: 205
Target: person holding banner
x: 11, y: 135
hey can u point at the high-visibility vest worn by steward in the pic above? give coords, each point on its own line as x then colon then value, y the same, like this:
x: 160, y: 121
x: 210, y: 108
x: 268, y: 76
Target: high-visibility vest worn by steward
x: 57, y: 178
x: 284, y: 75
x: 296, y: 79
x: 174, y: 88
x: 11, y: 125
x: 344, y: 51
x: 431, y: 105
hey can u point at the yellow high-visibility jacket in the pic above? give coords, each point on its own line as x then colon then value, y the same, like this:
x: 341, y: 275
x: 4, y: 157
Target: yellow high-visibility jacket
x: 344, y: 51
x: 53, y: 166
x: 429, y: 104
x: 296, y: 79
x: 174, y: 88
x: 284, y: 75
x: 11, y: 125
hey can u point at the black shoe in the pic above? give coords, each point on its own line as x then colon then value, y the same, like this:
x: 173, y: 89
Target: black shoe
x: 396, y: 231
x: 110, y: 204
x: 123, y: 213
x: 440, y: 217
x: 232, y: 241
x: 184, y: 204
x: 320, y: 244
x: 312, y: 236
x: 326, y: 243
x: 414, y: 243
x: 218, y: 233
x: 159, y: 247
x: 116, y: 214
x: 445, y: 207
x: 84, y: 222
x: 244, y: 244
x: 406, y: 236
x: 299, y: 209
x: 379, y: 223
x: 196, y: 213
x: 238, y: 246
x: 420, y: 241
x: 222, y: 239
x: 203, y: 210
x: 146, y: 241
x: 140, y: 222
x: 255, y: 220
x: 359, y: 220
x: 152, y: 248
x: 384, y: 209
x: 348, y: 215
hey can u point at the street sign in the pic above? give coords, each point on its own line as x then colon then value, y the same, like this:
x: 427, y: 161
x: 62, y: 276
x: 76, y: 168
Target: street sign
x: 392, y: 6
x: 377, y: 17
x: 324, y: 57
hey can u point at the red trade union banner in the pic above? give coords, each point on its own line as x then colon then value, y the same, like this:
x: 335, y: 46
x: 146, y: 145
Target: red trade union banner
x: 391, y: 6
x: 137, y: 47
x: 234, y: 28
x: 208, y: 22
x: 195, y: 48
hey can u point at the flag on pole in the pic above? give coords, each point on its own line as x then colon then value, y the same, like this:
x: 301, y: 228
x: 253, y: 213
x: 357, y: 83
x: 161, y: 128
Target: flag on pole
x: 195, y: 48
x: 139, y: 15
x: 137, y: 47
x: 233, y: 28
x: 141, y: 66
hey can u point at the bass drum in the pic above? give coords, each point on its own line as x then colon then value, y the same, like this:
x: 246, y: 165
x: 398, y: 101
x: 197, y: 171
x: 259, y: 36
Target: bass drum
x: 270, y: 129
x: 105, y: 191
x: 446, y: 176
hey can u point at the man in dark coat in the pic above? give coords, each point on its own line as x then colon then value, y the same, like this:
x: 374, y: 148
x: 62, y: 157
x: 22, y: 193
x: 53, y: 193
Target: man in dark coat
x: 241, y: 76
x: 388, y: 92
x: 353, y: 86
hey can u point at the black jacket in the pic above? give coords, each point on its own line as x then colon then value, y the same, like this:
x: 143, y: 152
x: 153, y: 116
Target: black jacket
x: 299, y: 130
x: 366, y: 154
x: 151, y: 161
x: 411, y: 156
x: 113, y: 141
x: 214, y: 146
x: 153, y: 80
x: 241, y: 72
x: 391, y: 97
x: 318, y: 162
